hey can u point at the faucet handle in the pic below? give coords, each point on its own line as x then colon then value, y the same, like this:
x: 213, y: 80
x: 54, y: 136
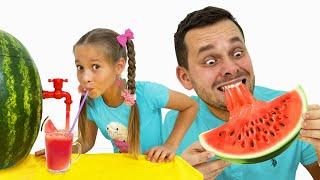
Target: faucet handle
x: 57, y: 79
x: 57, y: 82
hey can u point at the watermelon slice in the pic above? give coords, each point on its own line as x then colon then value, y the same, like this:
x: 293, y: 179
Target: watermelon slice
x: 256, y: 130
x: 49, y: 127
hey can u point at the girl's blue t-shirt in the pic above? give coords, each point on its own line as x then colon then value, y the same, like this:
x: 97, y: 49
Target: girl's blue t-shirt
x: 283, y: 166
x: 113, y: 121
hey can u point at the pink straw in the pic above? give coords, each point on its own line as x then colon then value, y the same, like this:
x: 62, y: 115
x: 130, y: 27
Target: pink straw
x: 81, y: 105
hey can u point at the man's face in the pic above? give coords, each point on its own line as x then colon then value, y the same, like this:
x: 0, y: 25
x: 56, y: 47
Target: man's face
x: 217, y: 56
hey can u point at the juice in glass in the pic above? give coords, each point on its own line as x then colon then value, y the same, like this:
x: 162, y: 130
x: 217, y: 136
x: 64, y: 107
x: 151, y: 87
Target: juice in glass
x: 58, y: 150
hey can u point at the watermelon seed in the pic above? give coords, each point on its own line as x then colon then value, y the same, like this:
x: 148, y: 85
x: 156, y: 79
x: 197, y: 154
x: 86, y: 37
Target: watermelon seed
x: 267, y: 123
x: 222, y: 134
x: 282, y: 125
x: 247, y: 133
x: 284, y: 106
x: 265, y: 139
x: 252, y: 123
x: 256, y: 120
x: 252, y: 143
x: 251, y: 130
x: 265, y: 131
x: 261, y: 120
x: 239, y: 136
x: 231, y: 133
x: 243, y: 144
x: 276, y: 128
x: 271, y: 119
x: 278, y: 118
x: 272, y: 133
x: 247, y: 124
x: 258, y: 129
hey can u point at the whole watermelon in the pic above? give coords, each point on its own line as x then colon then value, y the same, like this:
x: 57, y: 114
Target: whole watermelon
x: 20, y: 101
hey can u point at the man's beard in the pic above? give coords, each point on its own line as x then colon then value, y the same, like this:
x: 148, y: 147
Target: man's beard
x: 206, y: 95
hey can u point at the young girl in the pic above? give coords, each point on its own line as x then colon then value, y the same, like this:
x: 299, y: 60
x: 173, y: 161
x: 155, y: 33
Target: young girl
x: 127, y: 112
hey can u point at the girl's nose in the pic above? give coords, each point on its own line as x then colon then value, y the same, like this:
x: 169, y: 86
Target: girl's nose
x: 87, y: 77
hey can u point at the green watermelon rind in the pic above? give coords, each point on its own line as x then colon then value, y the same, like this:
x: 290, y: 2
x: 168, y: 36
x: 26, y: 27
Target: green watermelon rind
x: 20, y: 101
x: 267, y: 154
x: 260, y: 159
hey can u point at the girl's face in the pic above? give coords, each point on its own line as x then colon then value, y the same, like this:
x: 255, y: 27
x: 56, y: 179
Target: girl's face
x: 95, y: 71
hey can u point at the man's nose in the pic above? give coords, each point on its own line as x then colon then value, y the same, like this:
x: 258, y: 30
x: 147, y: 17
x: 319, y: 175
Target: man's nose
x: 229, y: 67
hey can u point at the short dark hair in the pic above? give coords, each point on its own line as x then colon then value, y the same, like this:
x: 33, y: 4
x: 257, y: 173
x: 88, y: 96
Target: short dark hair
x: 201, y: 18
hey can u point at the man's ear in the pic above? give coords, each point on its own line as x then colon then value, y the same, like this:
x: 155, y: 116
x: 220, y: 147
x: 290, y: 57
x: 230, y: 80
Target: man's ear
x: 120, y: 65
x: 184, y: 77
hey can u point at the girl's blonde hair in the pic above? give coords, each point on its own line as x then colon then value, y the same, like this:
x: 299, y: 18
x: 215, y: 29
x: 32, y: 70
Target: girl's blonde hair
x: 107, y: 39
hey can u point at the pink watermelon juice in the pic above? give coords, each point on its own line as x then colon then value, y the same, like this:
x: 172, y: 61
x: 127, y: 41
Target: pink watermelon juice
x: 58, y: 150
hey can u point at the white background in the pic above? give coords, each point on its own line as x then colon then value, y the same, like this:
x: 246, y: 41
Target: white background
x: 282, y: 38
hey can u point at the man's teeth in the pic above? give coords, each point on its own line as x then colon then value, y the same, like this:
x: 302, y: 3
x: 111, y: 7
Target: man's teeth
x: 231, y: 86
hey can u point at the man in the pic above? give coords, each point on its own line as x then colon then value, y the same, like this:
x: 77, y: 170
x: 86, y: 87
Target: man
x: 211, y: 54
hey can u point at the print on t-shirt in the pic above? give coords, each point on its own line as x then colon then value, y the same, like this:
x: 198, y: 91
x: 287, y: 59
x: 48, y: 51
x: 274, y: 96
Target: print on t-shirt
x: 119, y: 134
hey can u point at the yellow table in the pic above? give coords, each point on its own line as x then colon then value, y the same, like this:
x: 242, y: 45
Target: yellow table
x: 103, y: 166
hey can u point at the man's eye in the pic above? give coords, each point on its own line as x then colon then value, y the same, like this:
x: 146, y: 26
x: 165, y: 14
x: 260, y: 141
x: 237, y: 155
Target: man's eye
x: 210, y: 62
x: 95, y: 66
x: 238, y: 54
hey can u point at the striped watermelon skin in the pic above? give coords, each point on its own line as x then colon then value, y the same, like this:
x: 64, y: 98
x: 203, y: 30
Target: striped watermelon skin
x: 20, y: 101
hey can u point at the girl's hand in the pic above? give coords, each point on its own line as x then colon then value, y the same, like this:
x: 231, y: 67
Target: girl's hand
x: 163, y: 153
x: 81, y: 89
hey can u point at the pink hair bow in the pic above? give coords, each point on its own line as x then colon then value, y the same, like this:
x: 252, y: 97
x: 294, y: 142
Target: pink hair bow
x: 123, y: 38
x: 129, y: 98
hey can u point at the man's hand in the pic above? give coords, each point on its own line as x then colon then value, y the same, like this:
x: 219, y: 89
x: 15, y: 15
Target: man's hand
x: 310, y: 131
x: 196, y: 154
x: 198, y: 157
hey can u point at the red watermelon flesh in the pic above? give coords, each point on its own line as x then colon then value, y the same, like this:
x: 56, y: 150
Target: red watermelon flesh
x: 49, y: 127
x: 256, y: 130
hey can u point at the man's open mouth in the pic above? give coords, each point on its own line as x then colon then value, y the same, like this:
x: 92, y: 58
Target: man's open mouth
x: 231, y: 84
